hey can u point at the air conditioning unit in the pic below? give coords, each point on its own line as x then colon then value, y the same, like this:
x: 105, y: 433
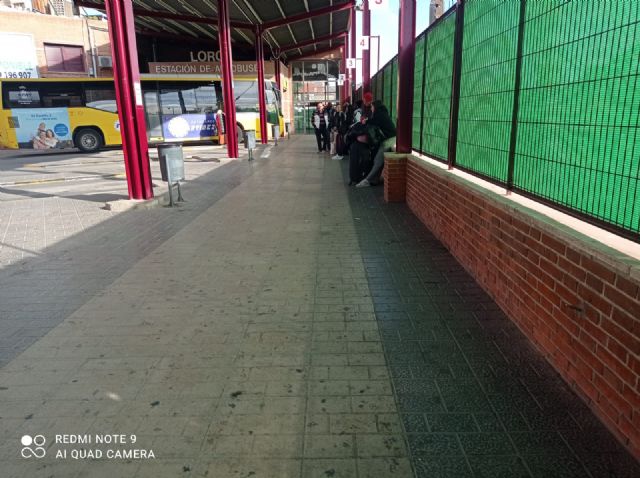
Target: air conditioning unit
x: 105, y: 62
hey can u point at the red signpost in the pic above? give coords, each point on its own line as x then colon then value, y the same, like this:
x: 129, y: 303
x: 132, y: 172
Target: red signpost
x: 264, y: 136
x: 352, y: 53
x: 366, y: 56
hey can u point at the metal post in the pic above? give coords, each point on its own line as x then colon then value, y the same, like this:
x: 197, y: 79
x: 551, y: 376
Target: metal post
x: 455, y: 85
x: 264, y: 135
x: 406, y: 64
x: 343, y: 88
x: 133, y: 128
x: 516, y: 98
x: 226, y: 60
x: 352, y: 41
x: 366, y: 54
x: 276, y: 69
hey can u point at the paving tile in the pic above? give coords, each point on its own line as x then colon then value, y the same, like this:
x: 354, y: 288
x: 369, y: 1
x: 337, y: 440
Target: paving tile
x: 451, y: 422
x: 495, y: 443
x: 329, y: 468
x: 498, y: 466
x: 329, y: 446
x: 388, y: 467
x: 434, y: 444
x: 441, y: 467
x: 380, y: 445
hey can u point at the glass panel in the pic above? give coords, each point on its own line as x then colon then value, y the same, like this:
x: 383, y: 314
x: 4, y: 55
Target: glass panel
x: 61, y: 94
x: 246, y: 96
x: 21, y: 95
x: 101, y: 97
x: 152, y: 114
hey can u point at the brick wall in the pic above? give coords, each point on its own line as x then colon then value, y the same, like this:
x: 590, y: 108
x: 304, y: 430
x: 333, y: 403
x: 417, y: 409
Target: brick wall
x: 579, y: 303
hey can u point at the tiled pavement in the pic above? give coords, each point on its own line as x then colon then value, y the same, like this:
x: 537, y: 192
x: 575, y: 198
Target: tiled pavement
x: 281, y: 325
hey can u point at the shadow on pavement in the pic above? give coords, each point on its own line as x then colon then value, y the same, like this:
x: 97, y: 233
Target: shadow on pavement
x: 39, y: 293
x: 467, y: 381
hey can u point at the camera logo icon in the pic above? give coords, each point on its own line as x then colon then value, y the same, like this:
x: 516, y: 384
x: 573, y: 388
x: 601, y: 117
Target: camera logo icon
x: 33, y: 447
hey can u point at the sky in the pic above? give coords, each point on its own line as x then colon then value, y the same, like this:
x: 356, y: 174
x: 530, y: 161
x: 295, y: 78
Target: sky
x: 385, y: 23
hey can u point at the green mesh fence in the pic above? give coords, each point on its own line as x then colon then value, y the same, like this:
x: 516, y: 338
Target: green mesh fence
x: 393, y: 107
x: 386, y: 94
x: 436, y: 110
x: 579, y: 107
x: 380, y: 86
x: 418, y: 88
x: 487, y: 86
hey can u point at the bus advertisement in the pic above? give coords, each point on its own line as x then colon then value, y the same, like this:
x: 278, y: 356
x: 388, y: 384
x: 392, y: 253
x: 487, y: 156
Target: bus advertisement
x: 60, y: 113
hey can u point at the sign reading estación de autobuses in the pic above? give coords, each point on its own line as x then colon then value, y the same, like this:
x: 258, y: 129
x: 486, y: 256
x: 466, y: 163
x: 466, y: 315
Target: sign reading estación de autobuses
x: 240, y: 68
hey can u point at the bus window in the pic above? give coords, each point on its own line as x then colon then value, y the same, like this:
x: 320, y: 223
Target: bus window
x: 272, y: 106
x: 170, y: 102
x: 201, y: 99
x: 246, y: 96
x: 61, y: 95
x: 16, y: 95
x: 101, y: 97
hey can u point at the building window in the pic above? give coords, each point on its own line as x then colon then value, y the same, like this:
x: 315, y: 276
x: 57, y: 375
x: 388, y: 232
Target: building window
x: 67, y: 58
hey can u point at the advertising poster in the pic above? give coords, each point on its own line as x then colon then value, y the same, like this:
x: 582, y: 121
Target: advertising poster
x: 42, y: 129
x: 189, y: 126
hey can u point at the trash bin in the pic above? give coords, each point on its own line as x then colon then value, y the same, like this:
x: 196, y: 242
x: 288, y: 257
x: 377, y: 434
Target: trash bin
x: 171, y: 167
x: 250, y: 141
x: 171, y: 162
x: 287, y: 126
x: 250, y: 138
x: 275, y: 131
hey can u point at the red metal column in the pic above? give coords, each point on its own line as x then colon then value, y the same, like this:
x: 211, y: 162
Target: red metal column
x: 226, y: 60
x: 366, y: 54
x: 126, y: 76
x: 341, y: 70
x: 276, y: 64
x: 264, y: 135
x: 352, y: 54
x: 406, y: 63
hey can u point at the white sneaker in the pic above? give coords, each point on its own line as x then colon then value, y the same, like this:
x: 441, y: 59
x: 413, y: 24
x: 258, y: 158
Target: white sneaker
x: 337, y: 157
x: 363, y: 184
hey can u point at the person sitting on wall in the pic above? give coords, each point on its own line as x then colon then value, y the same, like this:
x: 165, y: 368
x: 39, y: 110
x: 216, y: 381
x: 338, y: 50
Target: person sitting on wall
x: 382, y: 120
x: 367, y: 101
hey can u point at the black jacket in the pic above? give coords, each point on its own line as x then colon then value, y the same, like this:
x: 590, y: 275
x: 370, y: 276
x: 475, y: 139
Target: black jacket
x: 382, y: 120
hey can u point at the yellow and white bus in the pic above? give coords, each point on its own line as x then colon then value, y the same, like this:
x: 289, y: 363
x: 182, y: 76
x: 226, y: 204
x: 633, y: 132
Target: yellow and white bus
x: 49, y: 113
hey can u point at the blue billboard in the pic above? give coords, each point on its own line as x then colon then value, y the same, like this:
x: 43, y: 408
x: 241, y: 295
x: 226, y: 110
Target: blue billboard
x: 189, y: 126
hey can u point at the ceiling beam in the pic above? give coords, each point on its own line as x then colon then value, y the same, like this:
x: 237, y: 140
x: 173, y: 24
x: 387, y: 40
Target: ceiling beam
x: 168, y: 15
x: 307, y: 15
x: 313, y: 53
x: 313, y: 41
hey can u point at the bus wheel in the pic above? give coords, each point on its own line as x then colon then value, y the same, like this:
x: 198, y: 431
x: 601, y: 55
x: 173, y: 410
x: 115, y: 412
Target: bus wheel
x: 88, y: 140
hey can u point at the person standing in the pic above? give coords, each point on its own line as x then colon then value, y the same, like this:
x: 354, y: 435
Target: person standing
x: 340, y: 127
x: 320, y: 123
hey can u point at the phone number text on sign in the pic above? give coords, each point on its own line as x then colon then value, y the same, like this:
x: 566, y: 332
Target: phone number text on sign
x: 15, y: 74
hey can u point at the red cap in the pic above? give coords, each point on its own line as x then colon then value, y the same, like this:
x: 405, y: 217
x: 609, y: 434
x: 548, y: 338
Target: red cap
x: 368, y: 97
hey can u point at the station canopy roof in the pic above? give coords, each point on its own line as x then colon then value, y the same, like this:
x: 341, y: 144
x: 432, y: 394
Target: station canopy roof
x: 293, y: 28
